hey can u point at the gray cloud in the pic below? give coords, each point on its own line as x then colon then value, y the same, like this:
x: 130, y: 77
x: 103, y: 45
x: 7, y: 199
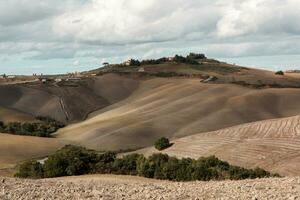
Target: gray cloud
x: 116, y: 29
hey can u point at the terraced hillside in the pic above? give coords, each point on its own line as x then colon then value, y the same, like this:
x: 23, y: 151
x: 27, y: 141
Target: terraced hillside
x: 272, y: 144
x: 178, y: 107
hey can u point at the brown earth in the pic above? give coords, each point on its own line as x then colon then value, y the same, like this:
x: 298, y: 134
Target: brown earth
x: 66, y: 103
x: 134, y: 188
x: 14, y: 149
x: 10, y: 115
x: 273, y: 145
x: 132, y: 111
x: 176, y: 108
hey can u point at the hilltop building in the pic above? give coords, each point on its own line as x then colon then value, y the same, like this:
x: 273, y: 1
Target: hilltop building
x: 128, y: 62
x: 141, y: 69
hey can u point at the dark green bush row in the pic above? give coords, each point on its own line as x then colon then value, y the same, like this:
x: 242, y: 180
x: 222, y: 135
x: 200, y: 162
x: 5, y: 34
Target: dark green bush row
x: 189, y: 59
x: 73, y: 160
x: 45, y: 128
x: 154, y: 61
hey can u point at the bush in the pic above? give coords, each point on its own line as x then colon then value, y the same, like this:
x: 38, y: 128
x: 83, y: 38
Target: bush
x: 126, y: 165
x: 30, y: 169
x: 70, y: 161
x: 2, y: 126
x: 281, y: 73
x: 162, y: 143
x: 153, y: 61
x: 193, y: 56
x: 187, y: 60
x: 104, y: 162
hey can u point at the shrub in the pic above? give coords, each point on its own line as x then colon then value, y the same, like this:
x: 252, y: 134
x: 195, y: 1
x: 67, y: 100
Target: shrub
x: 30, y: 169
x: 2, y: 127
x: 69, y: 161
x: 187, y: 60
x: 105, y: 162
x: 134, y: 62
x: 162, y: 143
x: 279, y: 73
x: 193, y: 56
x: 126, y: 165
x: 145, y: 168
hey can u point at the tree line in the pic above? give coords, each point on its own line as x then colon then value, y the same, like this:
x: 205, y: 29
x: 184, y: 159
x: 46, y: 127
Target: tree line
x: 43, y: 127
x: 75, y: 160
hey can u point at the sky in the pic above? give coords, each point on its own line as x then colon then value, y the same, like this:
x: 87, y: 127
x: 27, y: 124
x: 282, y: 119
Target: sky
x: 54, y: 36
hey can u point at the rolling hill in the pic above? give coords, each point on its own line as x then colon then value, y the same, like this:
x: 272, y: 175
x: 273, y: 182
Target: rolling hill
x: 272, y: 144
x: 66, y: 103
x: 126, y: 108
x: 178, y: 107
x: 15, y: 149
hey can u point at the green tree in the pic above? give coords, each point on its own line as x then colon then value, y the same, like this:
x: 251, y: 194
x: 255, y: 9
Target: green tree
x: 30, y: 169
x: 69, y: 161
x: 162, y: 143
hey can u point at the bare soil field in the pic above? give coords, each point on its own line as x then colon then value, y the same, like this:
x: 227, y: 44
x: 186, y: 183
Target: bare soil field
x: 10, y: 115
x: 273, y: 145
x: 14, y: 148
x: 175, y: 108
x: 123, y: 187
x: 68, y: 104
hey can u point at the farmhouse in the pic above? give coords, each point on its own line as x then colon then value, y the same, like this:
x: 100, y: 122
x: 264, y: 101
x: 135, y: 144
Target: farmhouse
x: 141, y: 69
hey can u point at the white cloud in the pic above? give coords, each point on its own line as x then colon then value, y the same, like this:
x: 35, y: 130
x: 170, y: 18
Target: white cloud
x: 116, y: 29
x: 135, y: 21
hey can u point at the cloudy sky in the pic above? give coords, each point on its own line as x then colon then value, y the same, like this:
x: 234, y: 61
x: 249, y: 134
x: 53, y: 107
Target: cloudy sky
x: 54, y: 36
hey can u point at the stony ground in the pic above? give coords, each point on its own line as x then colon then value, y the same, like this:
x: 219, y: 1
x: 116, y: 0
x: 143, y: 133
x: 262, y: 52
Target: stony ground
x: 108, y: 187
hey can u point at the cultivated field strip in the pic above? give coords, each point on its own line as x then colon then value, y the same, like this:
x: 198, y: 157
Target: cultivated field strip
x: 176, y: 108
x: 272, y: 144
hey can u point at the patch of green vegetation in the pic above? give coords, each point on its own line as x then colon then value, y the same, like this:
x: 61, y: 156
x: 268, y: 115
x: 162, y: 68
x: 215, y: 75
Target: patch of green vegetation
x: 44, y: 128
x: 162, y: 143
x: 261, y: 85
x: 188, y: 60
x: 74, y: 160
x: 217, y: 68
x: 281, y: 73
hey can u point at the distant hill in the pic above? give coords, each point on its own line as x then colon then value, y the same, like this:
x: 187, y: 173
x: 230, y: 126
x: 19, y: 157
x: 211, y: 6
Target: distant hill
x: 128, y: 106
x: 178, y: 107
